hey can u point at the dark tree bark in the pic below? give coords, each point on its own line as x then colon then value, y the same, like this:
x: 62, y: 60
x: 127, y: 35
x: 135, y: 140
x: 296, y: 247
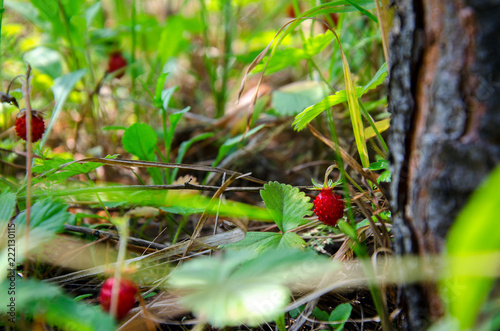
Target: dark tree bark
x: 444, y: 95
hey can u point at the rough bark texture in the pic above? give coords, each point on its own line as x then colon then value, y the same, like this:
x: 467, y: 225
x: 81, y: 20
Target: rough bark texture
x: 444, y: 95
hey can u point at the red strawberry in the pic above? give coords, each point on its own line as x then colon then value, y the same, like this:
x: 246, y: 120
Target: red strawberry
x: 37, y: 125
x: 328, y: 206
x: 116, y: 62
x: 126, y: 296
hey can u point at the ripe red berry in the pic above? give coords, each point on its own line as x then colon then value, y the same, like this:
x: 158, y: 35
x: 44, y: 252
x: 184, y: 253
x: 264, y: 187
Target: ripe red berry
x: 37, y: 125
x: 126, y: 296
x: 116, y: 62
x: 328, y: 206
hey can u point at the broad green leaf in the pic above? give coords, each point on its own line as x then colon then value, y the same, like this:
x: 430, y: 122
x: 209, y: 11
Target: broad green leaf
x: 47, y: 301
x: 7, y: 205
x: 47, y: 218
x: 379, y: 165
x: 286, y: 204
x: 320, y: 314
x: 91, y: 13
x: 172, y: 39
x: 240, y: 287
x: 294, y: 98
x: 473, y: 234
x: 263, y: 241
x: 46, y: 215
x: 341, y: 313
x: 46, y: 60
x: 140, y: 140
x: 385, y: 177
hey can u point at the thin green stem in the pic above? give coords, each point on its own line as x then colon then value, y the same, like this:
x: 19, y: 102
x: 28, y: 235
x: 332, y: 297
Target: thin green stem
x: 228, y: 39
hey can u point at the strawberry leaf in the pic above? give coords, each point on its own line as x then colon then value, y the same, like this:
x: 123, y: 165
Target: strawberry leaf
x: 140, y: 140
x: 262, y: 241
x: 286, y: 204
x: 240, y: 287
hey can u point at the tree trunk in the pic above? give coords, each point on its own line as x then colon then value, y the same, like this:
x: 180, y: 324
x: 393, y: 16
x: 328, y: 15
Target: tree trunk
x: 444, y: 96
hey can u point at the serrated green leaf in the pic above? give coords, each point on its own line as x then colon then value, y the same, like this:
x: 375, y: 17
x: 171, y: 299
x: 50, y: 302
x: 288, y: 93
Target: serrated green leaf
x: 36, y: 298
x: 240, y: 287
x: 341, y: 313
x: 379, y: 165
x: 385, y: 177
x: 286, y: 204
x: 66, y: 172
x: 7, y: 205
x: 140, y: 140
x: 263, y: 241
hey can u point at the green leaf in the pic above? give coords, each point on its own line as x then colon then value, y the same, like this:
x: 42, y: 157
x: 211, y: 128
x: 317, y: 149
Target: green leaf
x: 280, y: 60
x: 377, y: 80
x: 379, y: 165
x: 44, y: 165
x: 315, y: 44
x: 47, y: 218
x: 7, y: 205
x: 46, y: 60
x: 185, y: 145
x: 341, y: 313
x: 364, y: 11
x: 286, y: 204
x: 320, y: 314
x: 306, y: 116
x: 174, y: 119
x: 239, y: 287
x: 46, y: 300
x: 140, y: 140
x: 472, y: 238
x: 263, y: 241
x: 294, y: 98
x: 62, y: 88
x: 160, y: 82
x: 384, y: 177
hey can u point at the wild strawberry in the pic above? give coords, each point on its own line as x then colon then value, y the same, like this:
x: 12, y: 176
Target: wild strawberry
x: 37, y: 125
x: 116, y: 62
x: 328, y: 206
x: 125, y: 299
